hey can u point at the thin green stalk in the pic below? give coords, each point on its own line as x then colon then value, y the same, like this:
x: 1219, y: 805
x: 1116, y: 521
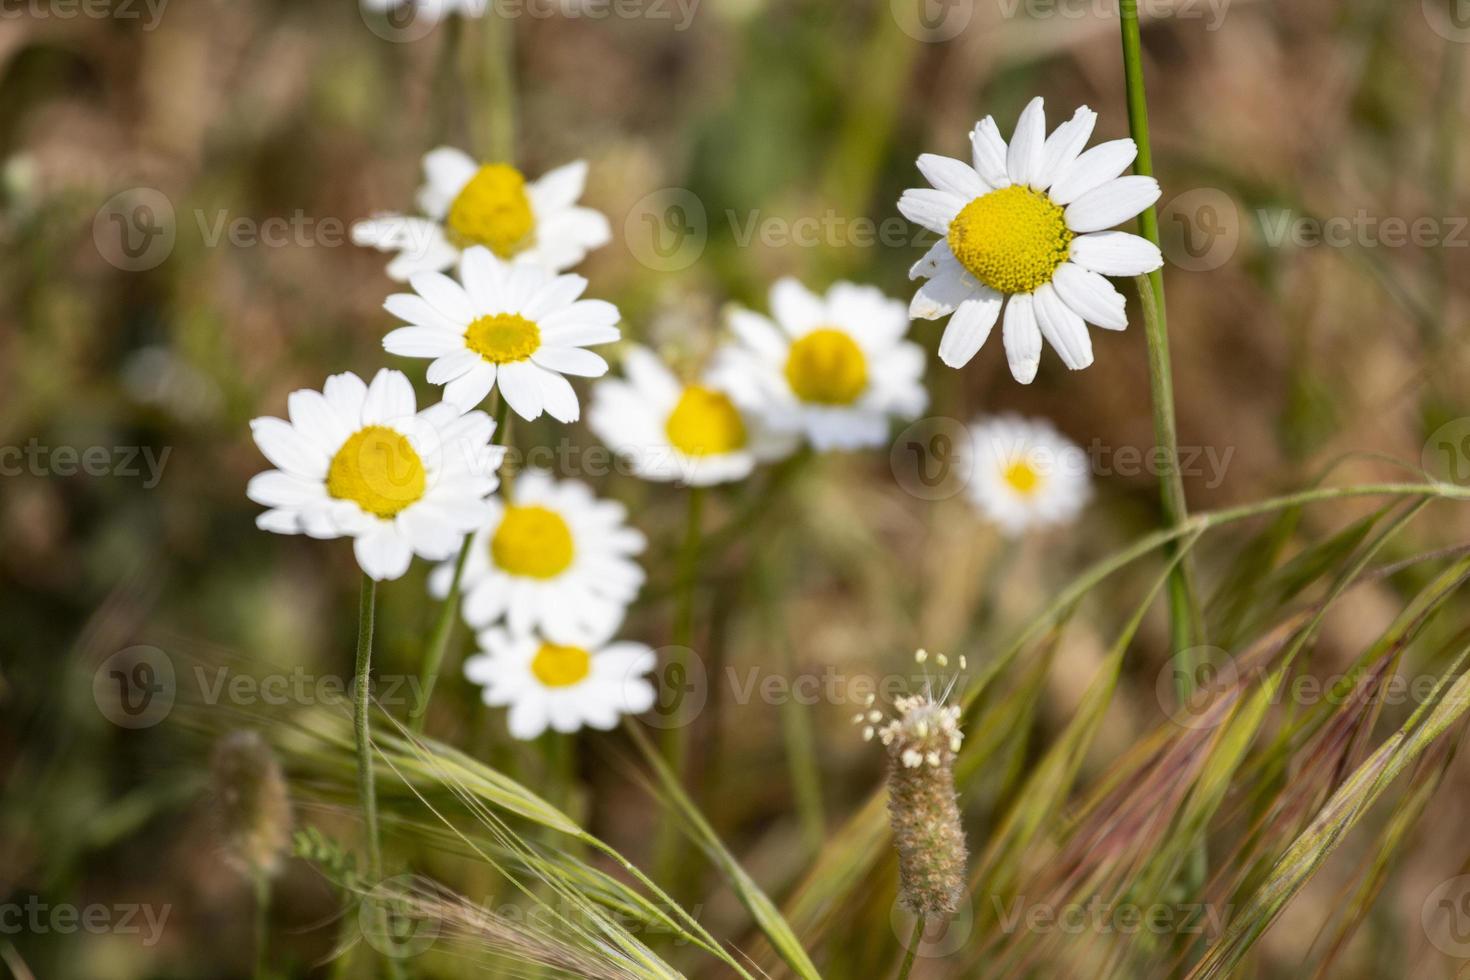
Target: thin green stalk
x: 444, y: 625
x: 1186, y: 629
x: 908, y: 957
x: 490, y: 71
x: 362, y: 699
x: 676, y: 737
x: 262, y: 922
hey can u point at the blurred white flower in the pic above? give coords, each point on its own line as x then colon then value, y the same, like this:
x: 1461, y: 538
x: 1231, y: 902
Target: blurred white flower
x: 516, y: 325
x: 466, y: 203
x: 359, y: 461
x: 1025, y: 474
x: 564, y: 687
x: 833, y: 369
x: 549, y: 557
x: 1023, y: 229
x: 669, y: 431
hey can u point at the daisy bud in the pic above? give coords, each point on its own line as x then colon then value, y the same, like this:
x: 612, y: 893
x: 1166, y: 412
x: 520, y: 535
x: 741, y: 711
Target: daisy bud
x: 922, y: 743
x: 251, y: 806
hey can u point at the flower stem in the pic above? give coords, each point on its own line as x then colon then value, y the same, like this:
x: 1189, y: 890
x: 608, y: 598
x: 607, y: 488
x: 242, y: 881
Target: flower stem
x: 444, y: 625
x: 1185, y: 629
x: 908, y: 957
x: 492, y: 75
x: 362, y: 697
x: 262, y: 921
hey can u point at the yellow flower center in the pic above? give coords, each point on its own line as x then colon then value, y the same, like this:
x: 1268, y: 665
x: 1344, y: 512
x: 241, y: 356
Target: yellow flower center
x: 827, y: 367
x: 493, y: 210
x: 559, y: 666
x: 532, y: 542
x: 1012, y: 239
x: 1022, y: 477
x: 705, y: 422
x: 377, y: 469
x: 503, y: 338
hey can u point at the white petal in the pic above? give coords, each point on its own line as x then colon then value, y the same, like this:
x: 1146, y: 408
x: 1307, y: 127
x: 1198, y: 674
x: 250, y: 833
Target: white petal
x: 1091, y: 296
x: 383, y: 553
x: 1111, y: 204
x: 1064, y: 146
x: 389, y: 398
x: 558, y: 398
x: 447, y: 171
x: 951, y: 175
x: 757, y: 333
x: 1092, y: 169
x: 969, y: 327
x: 796, y: 308
x: 413, y: 308
x: 1023, y: 161
x: 1062, y: 328
x: 520, y: 388
x: 484, y: 278
x: 931, y: 209
x: 559, y: 188
x: 1022, y: 339
x: 421, y: 342
x: 346, y: 393
x: 452, y: 366
x: 527, y: 718
x: 288, y: 449
x: 444, y: 294
x: 571, y: 360
x: 989, y: 151
x: 1116, y: 253
x: 470, y: 388
x: 943, y: 294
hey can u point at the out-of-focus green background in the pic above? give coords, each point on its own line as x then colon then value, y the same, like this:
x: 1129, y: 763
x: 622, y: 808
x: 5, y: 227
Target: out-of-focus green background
x: 730, y: 142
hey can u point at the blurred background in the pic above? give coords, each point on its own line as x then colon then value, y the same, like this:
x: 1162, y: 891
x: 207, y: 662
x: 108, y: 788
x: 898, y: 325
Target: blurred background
x: 177, y: 182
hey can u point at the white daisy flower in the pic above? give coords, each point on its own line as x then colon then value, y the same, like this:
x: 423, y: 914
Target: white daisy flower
x: 559, y: 685
x: 551, y: 557
x: 834, y: 370
x: 518, y: 326
x: 1024, y: 229
x: 1026, y: 474
x: 493, y: 205
x: 670, y: 431
x: 359, y: 461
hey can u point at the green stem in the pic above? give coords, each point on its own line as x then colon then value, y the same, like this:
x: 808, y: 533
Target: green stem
x: 444, y: 625
x: 908, y: 957
x: 492, y: 75
x: 676, y: 738
x: 1185, y: 629
x: 363, y: 697
x: 262, y: 921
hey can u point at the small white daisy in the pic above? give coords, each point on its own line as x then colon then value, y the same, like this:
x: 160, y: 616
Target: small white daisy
x: 1024, y: 229
x: 551, y: 557
x: 835, y: 369
x: 359, y: 461
x: 493, y: 205
x: 518, y: 326
x: 563, y: 686
x: 669, y: 431
x: 1026, y: 474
